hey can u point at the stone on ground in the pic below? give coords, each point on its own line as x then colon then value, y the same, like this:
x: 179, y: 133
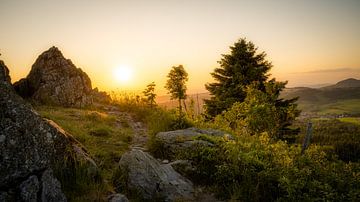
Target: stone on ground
x: 153, y: 179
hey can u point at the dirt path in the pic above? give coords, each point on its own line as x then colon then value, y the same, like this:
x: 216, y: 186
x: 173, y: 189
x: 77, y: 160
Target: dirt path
x: 140, y: 136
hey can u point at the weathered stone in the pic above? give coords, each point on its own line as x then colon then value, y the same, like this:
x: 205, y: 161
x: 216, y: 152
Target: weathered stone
x: 4, y: 74
x: 51, y: 188
x: 56, y: 80
x: 153, y: 179
x: 184, y: 167
x: 30, y: 146
x: 174, y: 142
x: 118, y: 198
x: 100, y: 96
x: 29, y: 189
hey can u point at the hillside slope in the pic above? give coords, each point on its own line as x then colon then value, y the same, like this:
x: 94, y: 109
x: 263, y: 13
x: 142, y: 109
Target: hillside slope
x: 343, y: 97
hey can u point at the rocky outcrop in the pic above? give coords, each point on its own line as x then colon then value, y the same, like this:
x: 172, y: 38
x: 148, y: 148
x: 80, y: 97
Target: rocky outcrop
x: 30, y: 149
x: 100, y: 96
x: 56, y: 80
x: 118, y: 198
x: 154, y: 180
x: 173, y: 142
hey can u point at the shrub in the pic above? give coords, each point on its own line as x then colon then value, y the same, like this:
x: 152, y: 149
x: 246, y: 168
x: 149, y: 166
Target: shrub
x: 254, y: 168
x: 343, y: 137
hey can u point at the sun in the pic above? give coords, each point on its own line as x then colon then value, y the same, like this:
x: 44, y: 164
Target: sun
x: 123, y: 73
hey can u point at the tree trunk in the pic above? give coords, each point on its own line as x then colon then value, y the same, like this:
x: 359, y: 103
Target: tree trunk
x: 180, y: 107
x: 184, y: 103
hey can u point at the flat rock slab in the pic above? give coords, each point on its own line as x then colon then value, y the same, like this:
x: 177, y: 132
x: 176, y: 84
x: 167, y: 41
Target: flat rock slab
x: 177, y: 141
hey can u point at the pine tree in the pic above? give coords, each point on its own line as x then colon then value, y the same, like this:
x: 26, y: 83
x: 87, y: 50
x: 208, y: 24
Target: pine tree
x: 243, y: 79
x: 150, y: 95
x: 240, y: 68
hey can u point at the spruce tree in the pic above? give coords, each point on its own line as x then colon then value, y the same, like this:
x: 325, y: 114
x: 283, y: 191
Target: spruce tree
x: 243, y: 69
x: 243, y: 66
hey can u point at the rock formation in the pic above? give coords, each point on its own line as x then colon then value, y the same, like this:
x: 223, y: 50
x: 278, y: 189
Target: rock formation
x: 181, y: 140
x: 118, y: 198
x: 30, y: 149
x: 100, y: 96
x: 56, y: 80
x: 154, y: 180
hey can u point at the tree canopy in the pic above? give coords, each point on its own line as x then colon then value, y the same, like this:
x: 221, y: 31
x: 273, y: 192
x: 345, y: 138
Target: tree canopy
x: 243, y: 66
x: 176, y: 84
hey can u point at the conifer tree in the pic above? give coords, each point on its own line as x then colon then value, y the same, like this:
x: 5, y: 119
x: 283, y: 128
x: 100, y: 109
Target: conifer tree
x: 240, y: 68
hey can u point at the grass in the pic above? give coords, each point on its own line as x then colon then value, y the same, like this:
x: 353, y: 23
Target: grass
x: 106, y: 137
x: 353, y: 120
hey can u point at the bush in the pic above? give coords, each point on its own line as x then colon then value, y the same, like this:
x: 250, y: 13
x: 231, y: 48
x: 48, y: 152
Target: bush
x: 343, y: 137
x: 254, y: 168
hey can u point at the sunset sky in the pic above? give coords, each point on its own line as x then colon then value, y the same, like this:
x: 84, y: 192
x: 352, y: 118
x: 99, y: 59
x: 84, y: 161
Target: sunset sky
x: 309, y: 42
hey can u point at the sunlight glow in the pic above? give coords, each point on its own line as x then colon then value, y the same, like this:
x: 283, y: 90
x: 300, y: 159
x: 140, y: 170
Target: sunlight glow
x: 123, y: 73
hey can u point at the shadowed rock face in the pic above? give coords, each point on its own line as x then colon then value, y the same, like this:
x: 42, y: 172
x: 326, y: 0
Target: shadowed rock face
x: 56, y: 80
x: 30, y: 148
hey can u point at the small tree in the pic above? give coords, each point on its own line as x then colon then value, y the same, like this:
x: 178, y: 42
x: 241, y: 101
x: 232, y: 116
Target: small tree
x: 176, y: 84
x: 150, y: 95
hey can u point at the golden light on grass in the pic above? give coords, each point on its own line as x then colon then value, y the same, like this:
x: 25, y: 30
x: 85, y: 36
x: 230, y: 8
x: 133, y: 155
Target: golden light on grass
x: 123, y: 74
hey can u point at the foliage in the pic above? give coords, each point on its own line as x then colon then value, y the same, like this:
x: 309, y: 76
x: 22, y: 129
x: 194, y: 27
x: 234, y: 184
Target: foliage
x: 150, y: 95
x: 342, y: 136
x: 254, y: 168
x: 240, y: 68
x: 260, y: 112
x: 79, y: 182
x: 175, y: 84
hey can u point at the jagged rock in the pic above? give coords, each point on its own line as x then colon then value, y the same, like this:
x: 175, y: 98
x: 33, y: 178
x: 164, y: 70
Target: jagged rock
x: 173, y: 142
x: 118, y: 198
x: 153, y: 179
x: 30, y: 148
x: 56, y: 80
x: 100, y: 96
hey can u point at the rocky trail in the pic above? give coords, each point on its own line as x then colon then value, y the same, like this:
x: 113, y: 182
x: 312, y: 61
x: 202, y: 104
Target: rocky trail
x: 153, y: 176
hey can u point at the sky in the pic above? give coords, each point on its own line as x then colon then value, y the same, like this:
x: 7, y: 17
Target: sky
x: 308, y: 42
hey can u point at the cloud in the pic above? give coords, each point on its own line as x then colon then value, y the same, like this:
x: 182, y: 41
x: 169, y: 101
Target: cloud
x: 336, y: 70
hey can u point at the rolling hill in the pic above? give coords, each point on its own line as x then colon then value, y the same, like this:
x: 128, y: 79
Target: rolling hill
x: 342, y: 97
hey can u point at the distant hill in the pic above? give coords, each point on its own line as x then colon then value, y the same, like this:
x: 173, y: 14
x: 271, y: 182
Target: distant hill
x: 343, y: 97
x: 347, y: 83
x: 165, y: 101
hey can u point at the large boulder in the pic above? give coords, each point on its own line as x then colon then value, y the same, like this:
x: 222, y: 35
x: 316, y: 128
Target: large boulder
x: 154, y: 180
x: 31, y: 148
x: 57, y: 81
